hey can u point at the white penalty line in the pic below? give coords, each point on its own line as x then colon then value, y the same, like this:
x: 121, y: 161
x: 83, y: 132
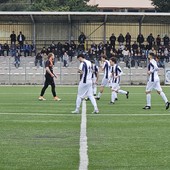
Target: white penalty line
x: 83, y: 165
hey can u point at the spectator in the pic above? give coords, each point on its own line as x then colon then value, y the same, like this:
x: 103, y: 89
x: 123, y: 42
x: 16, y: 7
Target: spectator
x: 126, y: 56
x: 150, y: 40
x: 1, y: 50
x: 70, y: 54
x: 65, y: 59
x: 13, y: 49
x: 6, y: 49
x: 108, y: 48
x: 17, y: 58
x: 166, y: 55
x: 128, y: 38
x: 121, y: 39
x: 33, y: 48
x: 135, y: 47
x: 73, y: 46
x: 13, y: 37
x: 166, y: 41
x: 52, y: 47
x: 38, y: 59
x: 140, y: 39
x: 26, y: 49
x: 21, y: 39
x: 112, y: 41
x: 100, y: 47
x: 81, y: 38
x: 158, y: 40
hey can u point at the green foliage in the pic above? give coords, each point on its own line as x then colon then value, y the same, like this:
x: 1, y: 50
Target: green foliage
x: 46, y: 5
x: 162, y: 5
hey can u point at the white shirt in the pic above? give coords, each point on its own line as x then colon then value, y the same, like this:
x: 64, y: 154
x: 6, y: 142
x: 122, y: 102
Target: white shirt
x: 86, y: 68
x: 106, y: 68
x: 153, y: 68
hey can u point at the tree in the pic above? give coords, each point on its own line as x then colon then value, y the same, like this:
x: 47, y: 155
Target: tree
x: 46, y: 5
x: 162, y: 5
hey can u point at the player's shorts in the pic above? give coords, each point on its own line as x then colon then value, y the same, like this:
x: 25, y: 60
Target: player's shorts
x: 153, y: 86
x: 85, y: 89
x: 104, y: 82
x: 115, y: 86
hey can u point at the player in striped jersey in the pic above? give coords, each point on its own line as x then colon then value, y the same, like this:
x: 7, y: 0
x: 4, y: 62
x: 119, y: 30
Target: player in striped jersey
x: 106, y: 70
x: 114, y: 80
x: 95, y: 77
x: 85, y: 84
x: 154, y: 83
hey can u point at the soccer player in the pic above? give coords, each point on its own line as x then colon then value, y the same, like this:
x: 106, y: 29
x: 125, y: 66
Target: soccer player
x: 154, y: 83
x: 106, y: 69
x: 49, y: 78
x: 116, y: 73
x: 95, y: 77
x: 85, y: 84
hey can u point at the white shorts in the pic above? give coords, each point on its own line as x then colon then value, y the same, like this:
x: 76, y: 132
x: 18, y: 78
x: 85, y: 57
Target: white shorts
x: 115, y: 86
x: 85, y: 90
x: 104, y: 82
x: 153, y: 86
x: 94, y: 80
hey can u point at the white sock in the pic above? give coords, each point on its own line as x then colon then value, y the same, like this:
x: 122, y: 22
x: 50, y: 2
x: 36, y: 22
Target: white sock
x: 99, y: 94
x: 93, y: 101
x: 94, y: 89
x: 78, y: 103
x: 113, y: 96
x: 148, y: 99
x: 164, y: 97
x: 122, y: 92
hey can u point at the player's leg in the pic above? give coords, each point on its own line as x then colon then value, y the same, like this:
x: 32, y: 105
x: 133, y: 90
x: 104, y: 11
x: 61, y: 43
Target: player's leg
x: 103, y: 84
x: 162, y: 94
x: 80, y: 96
x: 149, y: 88
x: 124, y: 92
x: 92, y: 99
x: 46, y: 83
x: 56, y: 98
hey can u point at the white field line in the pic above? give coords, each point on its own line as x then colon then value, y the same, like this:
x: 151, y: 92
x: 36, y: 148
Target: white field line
x: 83, y: 165
x: 69, y: 114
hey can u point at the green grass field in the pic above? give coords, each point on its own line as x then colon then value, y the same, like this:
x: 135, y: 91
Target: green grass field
x: 44, y: 135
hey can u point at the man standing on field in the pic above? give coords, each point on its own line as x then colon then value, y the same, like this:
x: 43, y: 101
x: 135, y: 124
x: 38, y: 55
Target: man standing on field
x: 154, y: 83
x: 106, y: 70
x: 85, y: 84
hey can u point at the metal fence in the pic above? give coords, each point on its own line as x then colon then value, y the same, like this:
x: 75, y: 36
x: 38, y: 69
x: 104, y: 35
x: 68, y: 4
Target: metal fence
x: 28, y: 73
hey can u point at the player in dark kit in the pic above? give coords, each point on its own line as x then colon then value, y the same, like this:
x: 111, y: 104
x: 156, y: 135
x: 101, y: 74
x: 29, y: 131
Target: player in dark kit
x: 49, y: 78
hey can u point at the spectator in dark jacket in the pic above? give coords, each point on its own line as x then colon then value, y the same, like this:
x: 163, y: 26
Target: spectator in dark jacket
x: 13, y: 37
x: 81, y: 38
x: 140, y: 39
x: 166, y: 41
x: 150, y: 40
x: 121, y: 39
x: 21, y: 39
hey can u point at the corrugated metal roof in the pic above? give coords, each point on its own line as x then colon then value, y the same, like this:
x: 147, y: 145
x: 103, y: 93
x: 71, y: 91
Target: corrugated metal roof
x: 122, y: 3
x: 111, y: 17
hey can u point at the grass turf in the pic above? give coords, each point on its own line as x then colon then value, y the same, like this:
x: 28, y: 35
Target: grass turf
x: 44, y: 135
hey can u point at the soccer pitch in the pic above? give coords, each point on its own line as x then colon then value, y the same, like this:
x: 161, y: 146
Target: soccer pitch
x: 44, y: 135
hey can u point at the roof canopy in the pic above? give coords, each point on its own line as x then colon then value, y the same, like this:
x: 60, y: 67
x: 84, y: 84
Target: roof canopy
x: 109, y: 17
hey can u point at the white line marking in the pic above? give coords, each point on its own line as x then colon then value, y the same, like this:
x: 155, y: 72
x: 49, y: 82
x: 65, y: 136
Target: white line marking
x: 50, y: 114
x: 83, y: 140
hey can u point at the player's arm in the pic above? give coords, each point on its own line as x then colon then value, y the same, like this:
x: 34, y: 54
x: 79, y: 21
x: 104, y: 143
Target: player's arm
x: 120, y: 72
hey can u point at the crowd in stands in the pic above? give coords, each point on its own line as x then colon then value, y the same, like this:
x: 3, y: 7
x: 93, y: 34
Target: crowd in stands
x: 132, y: 52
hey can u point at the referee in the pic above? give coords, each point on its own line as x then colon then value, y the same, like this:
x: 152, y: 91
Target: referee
x: 49, y: 78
